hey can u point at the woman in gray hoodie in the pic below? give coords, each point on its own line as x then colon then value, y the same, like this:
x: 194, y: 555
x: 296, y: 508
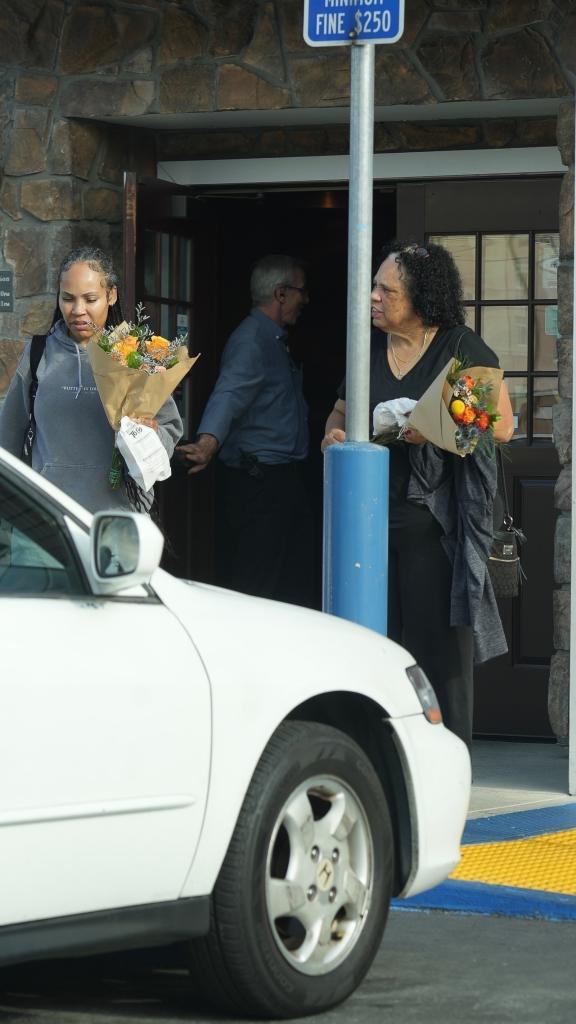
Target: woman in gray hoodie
x: 74, y: 442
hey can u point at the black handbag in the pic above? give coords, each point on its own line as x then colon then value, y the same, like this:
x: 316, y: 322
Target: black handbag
x: 504, y: 564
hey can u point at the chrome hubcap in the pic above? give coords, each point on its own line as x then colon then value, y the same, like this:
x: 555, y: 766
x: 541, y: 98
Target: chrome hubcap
x: 319, y: 875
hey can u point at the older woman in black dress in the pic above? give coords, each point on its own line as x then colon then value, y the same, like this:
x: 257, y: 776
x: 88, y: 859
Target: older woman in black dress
x: 441, y: 605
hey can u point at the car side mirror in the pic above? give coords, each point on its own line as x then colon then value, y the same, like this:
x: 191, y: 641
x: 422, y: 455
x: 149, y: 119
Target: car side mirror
x: 126, y: 548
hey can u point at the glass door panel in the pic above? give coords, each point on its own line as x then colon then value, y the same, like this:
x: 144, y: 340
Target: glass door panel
x: 165, y: 325
x: 505, y: 329
x: 509, y: 283
x: 182, y: 321
x: 546, y: 257
x: 470, y: 317
x: 545, y: 398
x: 150, y: 262
x: 165, y: 265
x: 505, y: 265
x: 185, y: 269
x: 167, y: 284
x: 545, y: 324
x: 463, y: 249
x: 517, y: 387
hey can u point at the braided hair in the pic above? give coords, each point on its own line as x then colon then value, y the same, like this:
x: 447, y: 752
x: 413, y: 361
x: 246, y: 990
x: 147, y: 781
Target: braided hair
x: 99, y: 261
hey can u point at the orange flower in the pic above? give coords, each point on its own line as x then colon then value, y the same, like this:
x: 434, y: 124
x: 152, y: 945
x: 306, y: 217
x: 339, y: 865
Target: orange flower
x: 469, y: 415
x: 122, y: 349
x: 483, y: 421
x: 157, y: 347
x: 468, y: 381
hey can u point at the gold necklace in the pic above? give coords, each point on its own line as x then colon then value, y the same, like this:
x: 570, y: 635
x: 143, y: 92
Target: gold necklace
x: 412, y: 362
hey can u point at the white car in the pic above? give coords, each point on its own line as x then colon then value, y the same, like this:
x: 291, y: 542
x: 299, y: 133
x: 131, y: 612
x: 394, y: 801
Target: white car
x: 183, y: 762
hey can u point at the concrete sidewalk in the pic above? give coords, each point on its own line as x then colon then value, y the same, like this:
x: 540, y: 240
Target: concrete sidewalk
x: 517, y: 776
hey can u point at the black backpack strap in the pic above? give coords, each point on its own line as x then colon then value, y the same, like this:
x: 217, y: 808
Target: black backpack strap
x: 37, y: 346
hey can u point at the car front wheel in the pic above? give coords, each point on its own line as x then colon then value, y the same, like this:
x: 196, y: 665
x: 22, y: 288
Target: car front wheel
x: 302, y: 897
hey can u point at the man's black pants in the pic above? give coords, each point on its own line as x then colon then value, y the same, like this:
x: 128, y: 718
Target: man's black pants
x: 265, y: 543
x: 419, y: 584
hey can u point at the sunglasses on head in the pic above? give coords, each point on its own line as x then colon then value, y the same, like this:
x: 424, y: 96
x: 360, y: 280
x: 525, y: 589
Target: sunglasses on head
x: 415, y: 250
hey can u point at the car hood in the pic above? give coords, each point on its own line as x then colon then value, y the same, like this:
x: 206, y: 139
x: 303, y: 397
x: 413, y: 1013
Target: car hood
x: 247, y: 642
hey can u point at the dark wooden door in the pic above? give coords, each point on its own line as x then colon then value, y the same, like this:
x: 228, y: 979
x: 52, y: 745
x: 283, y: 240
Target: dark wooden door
x: 503, y: 235
x: 511, y: 691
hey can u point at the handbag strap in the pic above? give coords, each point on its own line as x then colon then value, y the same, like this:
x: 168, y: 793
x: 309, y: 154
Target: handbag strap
x: 508, y: 519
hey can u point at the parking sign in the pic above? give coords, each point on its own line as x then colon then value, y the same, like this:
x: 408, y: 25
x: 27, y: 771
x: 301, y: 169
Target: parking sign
x: 341, y: 22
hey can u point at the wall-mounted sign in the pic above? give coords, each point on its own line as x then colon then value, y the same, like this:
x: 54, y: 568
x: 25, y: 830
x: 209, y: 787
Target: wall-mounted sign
x: 6, y: 291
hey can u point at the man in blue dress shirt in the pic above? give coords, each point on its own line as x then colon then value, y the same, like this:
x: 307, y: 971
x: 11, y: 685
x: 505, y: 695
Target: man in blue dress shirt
x: 256, y: 420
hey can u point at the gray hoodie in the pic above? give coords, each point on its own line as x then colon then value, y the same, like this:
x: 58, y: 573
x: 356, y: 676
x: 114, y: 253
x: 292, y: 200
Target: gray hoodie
x: 74, y: 441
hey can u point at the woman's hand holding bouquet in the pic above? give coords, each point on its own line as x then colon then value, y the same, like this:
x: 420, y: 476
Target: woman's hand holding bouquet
x: 458, y: 410
x: 136, y: 371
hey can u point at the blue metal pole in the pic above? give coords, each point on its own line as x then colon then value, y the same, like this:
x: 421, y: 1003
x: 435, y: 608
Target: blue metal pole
x: 356, y: 472
x: 355, y: 585
x: 358, y: 413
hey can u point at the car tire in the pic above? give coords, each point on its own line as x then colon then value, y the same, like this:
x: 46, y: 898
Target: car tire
x: 303, y: 894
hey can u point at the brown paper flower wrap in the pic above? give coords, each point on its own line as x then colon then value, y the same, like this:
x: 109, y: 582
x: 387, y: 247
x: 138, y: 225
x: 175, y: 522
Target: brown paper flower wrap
x: 135, y: 372
x: 432, y: 417
x: 127, y: 392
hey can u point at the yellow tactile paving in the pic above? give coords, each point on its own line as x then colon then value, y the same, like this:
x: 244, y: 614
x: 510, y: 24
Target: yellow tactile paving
x: 546, y: 862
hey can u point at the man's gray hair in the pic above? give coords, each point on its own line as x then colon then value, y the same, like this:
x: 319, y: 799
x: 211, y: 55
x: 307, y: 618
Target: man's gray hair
x: 270, y: 272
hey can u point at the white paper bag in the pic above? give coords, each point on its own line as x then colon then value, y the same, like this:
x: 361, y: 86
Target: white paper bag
x: 143, y: 452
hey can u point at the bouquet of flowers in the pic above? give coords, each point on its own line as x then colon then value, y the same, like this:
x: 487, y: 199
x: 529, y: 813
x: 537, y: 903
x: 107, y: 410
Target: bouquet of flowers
x: 136, y: 371
x: 471, y: 408
x: 458, y: 410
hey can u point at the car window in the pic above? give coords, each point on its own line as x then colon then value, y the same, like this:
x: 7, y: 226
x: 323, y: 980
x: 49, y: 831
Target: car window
x: 35, y: 557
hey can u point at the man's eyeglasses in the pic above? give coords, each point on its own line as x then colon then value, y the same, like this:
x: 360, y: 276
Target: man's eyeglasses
x: 296, y: 288
x: 415, y: 250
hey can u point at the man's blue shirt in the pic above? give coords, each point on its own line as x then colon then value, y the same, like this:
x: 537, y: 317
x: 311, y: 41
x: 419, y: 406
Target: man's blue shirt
x: 257, y: 406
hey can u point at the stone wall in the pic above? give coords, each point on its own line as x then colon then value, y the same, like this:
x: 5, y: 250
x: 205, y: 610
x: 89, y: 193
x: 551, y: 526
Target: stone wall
x: 67, y: 64
x: 61, y: 186
x: 559, y: 688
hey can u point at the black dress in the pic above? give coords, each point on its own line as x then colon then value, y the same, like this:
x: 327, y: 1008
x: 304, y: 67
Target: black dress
x: 419, y: 571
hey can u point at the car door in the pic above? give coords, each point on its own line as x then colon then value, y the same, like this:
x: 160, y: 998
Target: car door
x: 105, y: 710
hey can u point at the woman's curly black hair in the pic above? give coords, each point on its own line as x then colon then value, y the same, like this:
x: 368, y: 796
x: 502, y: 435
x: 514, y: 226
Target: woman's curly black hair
x: 431, y: 280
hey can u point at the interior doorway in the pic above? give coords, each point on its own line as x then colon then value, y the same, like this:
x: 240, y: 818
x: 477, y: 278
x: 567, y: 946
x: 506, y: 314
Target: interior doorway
x: 228, y: 231
x: 312, y: 225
